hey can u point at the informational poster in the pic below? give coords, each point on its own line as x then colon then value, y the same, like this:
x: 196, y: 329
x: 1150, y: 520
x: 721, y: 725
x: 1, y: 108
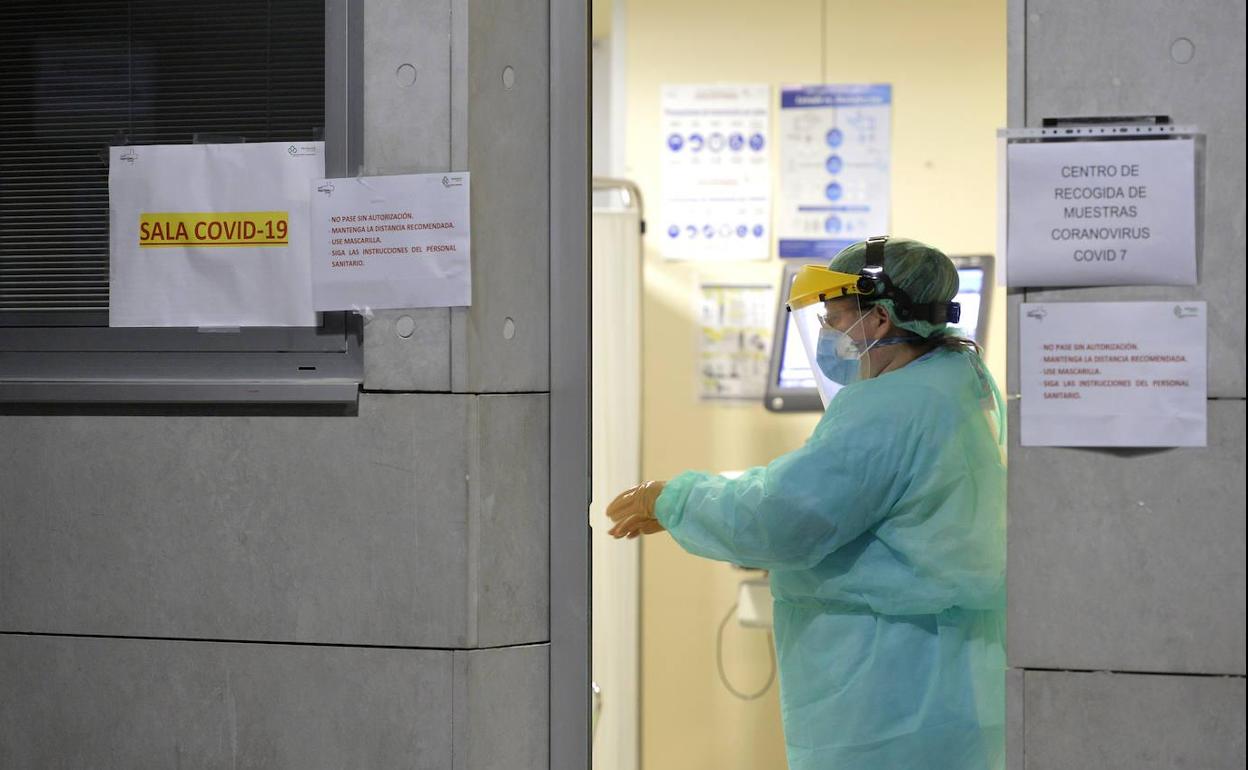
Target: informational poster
x: 716, y: 203
x: 834, y: 167
x: 1099, y: 213
x: 391, y: 242
x: 734, y: 341
x: 1113, y: 374
x: 211, y: 235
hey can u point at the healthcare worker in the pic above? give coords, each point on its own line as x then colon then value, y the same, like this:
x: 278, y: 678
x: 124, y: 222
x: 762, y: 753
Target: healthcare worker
x: 884, y: 533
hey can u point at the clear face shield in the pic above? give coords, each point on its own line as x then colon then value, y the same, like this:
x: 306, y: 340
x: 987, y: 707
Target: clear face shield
x: 830, y: 319
x: 836, y: 341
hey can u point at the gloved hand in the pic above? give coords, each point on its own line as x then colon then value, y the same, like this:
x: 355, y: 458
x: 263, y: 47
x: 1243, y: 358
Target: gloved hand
x: 633, y: 511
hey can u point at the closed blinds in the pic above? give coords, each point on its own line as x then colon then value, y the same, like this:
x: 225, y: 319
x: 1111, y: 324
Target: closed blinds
x: 80, y: 75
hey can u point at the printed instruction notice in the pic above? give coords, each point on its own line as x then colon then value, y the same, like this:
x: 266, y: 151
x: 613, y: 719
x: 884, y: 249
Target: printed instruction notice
x: 834, y: 167
x: 1099, y: 213
x: 1120, y: 374
x: 211, y: 235
x: 716, y: 177
x: 391, y: 242
x: 734, y: 345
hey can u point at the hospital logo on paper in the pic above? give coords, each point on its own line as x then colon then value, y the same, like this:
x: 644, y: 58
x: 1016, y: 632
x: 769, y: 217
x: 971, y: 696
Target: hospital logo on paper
x: 214, y: 229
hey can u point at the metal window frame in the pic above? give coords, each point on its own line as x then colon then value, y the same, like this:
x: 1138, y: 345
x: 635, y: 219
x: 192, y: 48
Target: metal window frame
x: 59, y: 358
x: 570, y: 483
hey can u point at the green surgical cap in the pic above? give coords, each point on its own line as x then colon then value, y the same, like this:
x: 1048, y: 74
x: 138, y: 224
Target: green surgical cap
x: 923, y: 272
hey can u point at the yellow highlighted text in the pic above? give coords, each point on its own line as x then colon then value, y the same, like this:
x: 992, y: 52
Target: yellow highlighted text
x: 214, y: 229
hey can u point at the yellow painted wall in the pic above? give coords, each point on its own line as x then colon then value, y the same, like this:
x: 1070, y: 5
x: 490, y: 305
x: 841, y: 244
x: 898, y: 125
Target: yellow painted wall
x: 600, y: 18
x: 946, y: 63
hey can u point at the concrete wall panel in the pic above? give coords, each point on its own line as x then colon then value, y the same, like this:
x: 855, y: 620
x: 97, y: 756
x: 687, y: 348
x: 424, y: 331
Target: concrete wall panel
x: 129, y: 703
x: 354, y: 530
x: 1014, y: 719
x: 501, y: 343
x: 1127, y: 722
x: 502, y: 704
x: 337, y: 529
x: 1129, y: 560
x: 407, y: 86
x: 1014, y: 301
x: 1115, y: 58
x: 407, y: 130
x: 408, y: 350
x: 513, y: 520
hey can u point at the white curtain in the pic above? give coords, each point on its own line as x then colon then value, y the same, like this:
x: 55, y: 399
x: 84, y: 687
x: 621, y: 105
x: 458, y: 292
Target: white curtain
x: 616, y: 419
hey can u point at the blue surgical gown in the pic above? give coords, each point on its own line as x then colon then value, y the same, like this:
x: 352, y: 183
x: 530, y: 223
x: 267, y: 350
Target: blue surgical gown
x: 885, y: 538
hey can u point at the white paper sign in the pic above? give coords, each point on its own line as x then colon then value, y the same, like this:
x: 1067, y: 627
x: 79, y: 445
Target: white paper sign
x: 211, y: 235
x: 1101, y: 213
x: 734, y: 347
x: 391, y: 242
x: 834, y: 167
x: 716, y: 203
x: 1125, y: 374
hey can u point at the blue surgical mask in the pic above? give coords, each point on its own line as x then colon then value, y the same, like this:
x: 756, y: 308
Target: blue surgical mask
x: 838, y: 357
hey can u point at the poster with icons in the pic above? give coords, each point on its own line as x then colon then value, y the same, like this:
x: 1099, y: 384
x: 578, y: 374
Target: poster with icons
x: 716, y: 174
x: 835, y: 165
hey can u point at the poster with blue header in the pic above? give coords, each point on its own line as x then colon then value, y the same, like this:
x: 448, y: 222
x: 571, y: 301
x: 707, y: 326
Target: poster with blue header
x: 835, y: 163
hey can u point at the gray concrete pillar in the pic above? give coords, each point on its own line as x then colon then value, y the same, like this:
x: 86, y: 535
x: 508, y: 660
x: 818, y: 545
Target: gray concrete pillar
x: 1126, y: 567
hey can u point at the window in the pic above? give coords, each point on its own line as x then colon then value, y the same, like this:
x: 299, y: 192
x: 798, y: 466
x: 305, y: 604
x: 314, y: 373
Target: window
x: 79, y: 76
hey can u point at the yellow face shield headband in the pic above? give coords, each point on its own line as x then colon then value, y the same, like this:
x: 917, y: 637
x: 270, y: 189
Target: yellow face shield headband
x: 819, y: 284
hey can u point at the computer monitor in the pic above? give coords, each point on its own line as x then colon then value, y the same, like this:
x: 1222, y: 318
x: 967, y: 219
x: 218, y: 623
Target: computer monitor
x: 791, y: 380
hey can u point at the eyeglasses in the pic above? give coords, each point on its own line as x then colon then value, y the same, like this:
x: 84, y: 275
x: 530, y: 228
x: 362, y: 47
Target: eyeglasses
x: 825, y: 319
x: 826, y: 323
